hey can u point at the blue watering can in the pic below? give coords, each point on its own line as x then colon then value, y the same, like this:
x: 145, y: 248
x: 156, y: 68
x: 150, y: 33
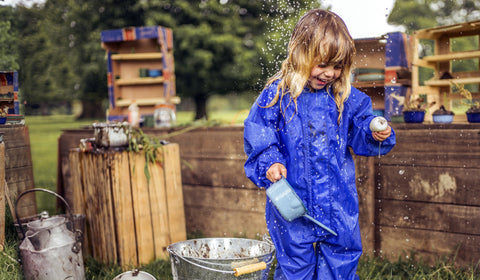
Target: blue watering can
x: 289, y: 204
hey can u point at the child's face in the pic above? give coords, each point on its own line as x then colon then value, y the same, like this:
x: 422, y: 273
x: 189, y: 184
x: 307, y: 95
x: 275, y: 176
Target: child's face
x: 324, y: 74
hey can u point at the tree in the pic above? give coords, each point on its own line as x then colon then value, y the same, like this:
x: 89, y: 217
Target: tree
x: 8, y: 53
x: 46, y: 75
x: 420, y: 14
x: 61, y: 56
x: 221, y: 46
x: 87, y: 19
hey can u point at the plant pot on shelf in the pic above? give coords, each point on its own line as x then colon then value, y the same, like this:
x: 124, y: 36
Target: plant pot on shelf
x: 413, y: 116
x: 473, y: 115
x: 442, y: 115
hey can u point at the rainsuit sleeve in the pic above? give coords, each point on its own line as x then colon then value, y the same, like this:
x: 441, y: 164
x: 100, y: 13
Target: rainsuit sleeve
x: 360, y: 135
x: 261, y: 140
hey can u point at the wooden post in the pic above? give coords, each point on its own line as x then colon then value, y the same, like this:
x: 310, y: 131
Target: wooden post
x: 141, y: 208
x: 2, y: 194
x: 173, y: 185
x: 123, y: 205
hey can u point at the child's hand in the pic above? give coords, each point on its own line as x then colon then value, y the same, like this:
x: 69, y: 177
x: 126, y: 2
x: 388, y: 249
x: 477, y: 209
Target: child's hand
x: 381, y: 135
x: 275, y: 172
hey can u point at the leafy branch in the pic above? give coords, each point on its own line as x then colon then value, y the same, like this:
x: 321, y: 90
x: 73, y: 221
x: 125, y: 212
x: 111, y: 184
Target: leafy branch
x: 474, y: 104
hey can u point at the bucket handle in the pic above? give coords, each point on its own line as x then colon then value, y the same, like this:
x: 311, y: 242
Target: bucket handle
x: 78, y: 234
x: 250, y: 268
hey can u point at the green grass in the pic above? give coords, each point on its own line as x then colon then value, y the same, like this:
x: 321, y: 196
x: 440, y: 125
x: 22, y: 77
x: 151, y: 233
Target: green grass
x: 44, y: 133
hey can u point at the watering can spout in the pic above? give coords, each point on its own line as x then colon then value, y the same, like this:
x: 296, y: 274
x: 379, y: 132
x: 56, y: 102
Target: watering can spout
x: 320, y: 224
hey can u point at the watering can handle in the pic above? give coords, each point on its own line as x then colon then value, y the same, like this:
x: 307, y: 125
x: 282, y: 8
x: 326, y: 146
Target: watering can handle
x: 47, y: 191
x: 250, y: 268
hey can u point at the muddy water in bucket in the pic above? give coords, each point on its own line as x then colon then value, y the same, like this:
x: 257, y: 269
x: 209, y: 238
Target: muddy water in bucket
x: 221, y: 259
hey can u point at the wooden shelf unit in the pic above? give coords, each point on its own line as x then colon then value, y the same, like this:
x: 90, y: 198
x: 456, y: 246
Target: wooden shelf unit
x: 131, y: 53
x: 9, y: 91
x: 382, y: 69
x: 438, y: 89
x: 370, y: 55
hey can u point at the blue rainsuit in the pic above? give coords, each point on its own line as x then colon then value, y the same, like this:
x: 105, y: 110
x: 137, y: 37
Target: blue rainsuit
x: 315, y: 150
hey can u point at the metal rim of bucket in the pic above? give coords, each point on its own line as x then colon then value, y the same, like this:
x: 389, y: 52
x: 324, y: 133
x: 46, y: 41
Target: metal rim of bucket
x: 199, y: 261
x: 78, y: 234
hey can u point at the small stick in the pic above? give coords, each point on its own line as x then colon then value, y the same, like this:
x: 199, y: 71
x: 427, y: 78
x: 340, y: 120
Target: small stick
x: 9, y: 201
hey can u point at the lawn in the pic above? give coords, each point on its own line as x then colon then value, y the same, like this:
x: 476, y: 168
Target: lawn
x: 44, y: 133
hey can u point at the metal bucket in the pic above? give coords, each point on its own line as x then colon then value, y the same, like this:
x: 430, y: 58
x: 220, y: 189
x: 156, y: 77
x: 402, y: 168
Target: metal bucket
x: 221, y: 259
x: 49, y: 249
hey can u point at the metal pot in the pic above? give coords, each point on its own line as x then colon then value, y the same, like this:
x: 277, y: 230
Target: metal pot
x: 49, y: 250
x: 111, y: 134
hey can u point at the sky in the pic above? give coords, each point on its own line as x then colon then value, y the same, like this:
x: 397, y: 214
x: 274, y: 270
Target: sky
x: 364, y: 18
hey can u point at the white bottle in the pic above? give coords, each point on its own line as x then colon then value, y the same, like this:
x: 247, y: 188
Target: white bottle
x: 134, y: 115
x: 164, y: 115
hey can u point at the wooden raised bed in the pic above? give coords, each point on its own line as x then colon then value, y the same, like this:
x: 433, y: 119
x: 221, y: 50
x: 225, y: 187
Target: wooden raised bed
x: 131, y: 220
x: 421, y: 197
x: 427, y: 195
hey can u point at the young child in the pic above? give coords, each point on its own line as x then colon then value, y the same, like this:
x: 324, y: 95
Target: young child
x: 303, y: 125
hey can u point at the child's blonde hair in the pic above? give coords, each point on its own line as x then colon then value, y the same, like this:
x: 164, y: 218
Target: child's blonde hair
x: 320, y: 37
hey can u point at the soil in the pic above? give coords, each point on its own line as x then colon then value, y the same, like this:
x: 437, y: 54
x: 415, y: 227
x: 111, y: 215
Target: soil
x: 442, y: 111
x: 473, y: 110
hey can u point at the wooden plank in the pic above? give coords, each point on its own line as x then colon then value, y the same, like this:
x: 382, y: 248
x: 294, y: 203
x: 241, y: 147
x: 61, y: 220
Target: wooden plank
x: 174, y: 192
x: 18, y: 167
x: 453, y: 56
x: 105, y: 185
x: 447, y: 82
x: 123, y: 208
x: 233, y: 223
x: 215, y: 172
x: 139, y: 81
x: 77, y: 203
x: 17, y: 157
x: 365, y: 174
x: 18, y: 181
x: 137, y: 56
x: 230, y: 146
x: 429, y: 216
x: 433, y: 245
x: 15, y: 136
x: 218, y: 211
x: 69, y: 139
x: 99, y: 208
x: 159, y: 209
x: 146, y: 101
x: 141, y: 208
x: 433, y: 184
x: 442, y: 146
x: 2, y: 195
x: 90, y: 200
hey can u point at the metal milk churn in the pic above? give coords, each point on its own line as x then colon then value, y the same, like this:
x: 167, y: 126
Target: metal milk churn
x: 51, y: 246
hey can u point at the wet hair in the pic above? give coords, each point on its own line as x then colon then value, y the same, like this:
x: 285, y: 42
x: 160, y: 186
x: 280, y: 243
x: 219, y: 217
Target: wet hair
x: 319, y: 37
